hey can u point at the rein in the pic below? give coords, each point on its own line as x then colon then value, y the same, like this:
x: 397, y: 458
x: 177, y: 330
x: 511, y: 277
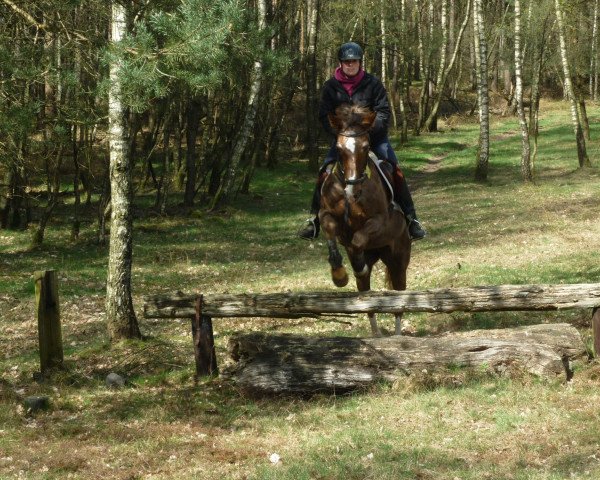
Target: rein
x: 339, y: 173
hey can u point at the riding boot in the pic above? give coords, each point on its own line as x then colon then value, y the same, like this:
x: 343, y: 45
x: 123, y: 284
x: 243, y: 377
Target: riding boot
x: 311, y: 230
x: 403, y: 198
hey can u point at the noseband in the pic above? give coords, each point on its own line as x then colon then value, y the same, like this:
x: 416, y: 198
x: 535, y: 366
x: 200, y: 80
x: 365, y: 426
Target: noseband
x: 355, y: 134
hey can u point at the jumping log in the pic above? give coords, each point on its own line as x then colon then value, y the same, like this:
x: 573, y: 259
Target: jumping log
x: 315, y: 304
x: 466, y: 299
x: 271, y: 364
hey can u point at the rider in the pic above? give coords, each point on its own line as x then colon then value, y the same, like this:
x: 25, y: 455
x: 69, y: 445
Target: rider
x: 351, y: 84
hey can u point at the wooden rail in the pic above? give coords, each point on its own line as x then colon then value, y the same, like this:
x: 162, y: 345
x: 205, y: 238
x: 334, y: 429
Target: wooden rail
x: 202, y: 308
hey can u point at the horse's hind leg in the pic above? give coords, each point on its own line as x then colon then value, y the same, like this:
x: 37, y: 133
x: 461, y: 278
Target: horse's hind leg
x: 338, y: 272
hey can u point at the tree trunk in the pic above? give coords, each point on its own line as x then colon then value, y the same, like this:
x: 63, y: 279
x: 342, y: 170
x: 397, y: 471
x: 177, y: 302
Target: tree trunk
x: 424, y: 67
x: 312, y: 123
x: 37, y: 237
x: 445, y: 71
x: 225, y: 192
x: 191, y: 133
x: 404, y: 84
x: 569, y: 91
x: 582, y: 111
x: 10, y: 203
x: 75, y: 219
x: 431, y: 121
x: 384, y: 55
x: 274, y: 364
x: 534, y: 108
x: 167, y: 158
x: 483, y: 153
x: 526, y: 171
x: 594, y: 55
x: 120, y: 314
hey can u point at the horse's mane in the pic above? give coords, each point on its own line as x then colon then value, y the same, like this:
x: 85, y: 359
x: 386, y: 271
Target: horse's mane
x: 351, y: 115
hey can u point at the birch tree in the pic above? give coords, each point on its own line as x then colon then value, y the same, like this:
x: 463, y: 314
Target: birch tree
x: 404, y: 83
x: 526, y: 171
x: 122, y: 322
x: 431, y: 121
x: 594, y: 54
x: 569, y: 91
x: 425, y: 46
x: 444, y: 70
x: 384, y: 55
x: 483, y: 152
x: 225, y: 192
x: 312, y: 124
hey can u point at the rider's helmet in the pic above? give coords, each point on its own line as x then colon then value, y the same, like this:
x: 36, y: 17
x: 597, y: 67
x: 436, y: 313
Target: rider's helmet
x: 350, y: 51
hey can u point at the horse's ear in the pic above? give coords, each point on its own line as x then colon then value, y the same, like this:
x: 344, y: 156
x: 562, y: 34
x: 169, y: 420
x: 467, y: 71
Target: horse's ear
x: 368, y: 120
x: 335, y: 122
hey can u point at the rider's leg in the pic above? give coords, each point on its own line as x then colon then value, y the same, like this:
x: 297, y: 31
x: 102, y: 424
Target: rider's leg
x: 311, y: 230
x: 402, y: 194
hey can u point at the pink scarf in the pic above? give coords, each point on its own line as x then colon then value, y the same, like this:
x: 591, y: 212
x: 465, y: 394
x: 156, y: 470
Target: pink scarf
x: 349, y: 83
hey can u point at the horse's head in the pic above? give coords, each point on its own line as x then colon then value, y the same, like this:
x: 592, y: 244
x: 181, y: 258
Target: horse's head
x: 352, y: 124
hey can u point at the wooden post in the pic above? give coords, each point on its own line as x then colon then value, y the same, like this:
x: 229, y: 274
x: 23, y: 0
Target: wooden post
x: 47, y: 312
x: 204, y: 343
x: 596, y: 330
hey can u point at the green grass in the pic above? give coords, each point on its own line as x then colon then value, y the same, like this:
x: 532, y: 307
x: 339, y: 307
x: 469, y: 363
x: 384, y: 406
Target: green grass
x: 465, y: 425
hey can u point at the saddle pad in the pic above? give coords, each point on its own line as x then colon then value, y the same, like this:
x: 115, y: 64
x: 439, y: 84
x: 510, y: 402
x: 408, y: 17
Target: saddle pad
x: 377, y: 162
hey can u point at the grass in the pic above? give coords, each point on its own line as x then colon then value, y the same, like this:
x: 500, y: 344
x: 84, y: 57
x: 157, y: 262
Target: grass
x: 162, y: 426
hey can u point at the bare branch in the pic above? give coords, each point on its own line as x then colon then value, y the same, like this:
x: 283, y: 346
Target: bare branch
x: 25, y: 15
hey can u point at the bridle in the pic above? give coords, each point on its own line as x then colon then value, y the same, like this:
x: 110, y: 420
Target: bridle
x: 342, y: 179
x: 355, y: 134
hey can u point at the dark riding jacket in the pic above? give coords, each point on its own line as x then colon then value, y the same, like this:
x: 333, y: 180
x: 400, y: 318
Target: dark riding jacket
x: 370, y: 92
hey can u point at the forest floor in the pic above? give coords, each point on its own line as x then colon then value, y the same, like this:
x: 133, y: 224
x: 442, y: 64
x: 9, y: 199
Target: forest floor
x: 162, y: 426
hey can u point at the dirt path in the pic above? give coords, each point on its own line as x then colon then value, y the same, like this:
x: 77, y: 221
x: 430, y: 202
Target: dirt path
x: 432, y: 166
x: 434, y: 163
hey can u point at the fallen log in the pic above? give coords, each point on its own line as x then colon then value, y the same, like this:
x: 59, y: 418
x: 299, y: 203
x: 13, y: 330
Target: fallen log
x: 272, y: 364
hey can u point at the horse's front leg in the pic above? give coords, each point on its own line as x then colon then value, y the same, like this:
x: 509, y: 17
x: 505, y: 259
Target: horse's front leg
x: 338, y: 271
x: 362, y: 272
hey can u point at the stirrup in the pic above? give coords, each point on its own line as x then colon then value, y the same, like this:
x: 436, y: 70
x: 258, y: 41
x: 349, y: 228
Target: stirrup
x: 415, y: 229
x: 311, y: 231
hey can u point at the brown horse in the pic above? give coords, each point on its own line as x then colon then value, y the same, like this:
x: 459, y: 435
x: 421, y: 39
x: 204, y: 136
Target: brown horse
x: 357, y: 210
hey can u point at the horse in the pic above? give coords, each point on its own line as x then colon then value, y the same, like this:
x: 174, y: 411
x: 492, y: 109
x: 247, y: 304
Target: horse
x: 357, y: 210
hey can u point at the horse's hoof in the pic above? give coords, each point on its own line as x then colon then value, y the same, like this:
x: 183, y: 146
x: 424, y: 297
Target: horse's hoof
x: 339, y: 277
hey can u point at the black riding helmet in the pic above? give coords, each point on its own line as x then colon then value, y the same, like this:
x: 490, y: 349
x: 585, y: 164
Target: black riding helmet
x: 350, y: 51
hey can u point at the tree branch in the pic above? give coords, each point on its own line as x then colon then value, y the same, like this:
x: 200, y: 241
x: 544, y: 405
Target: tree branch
x: 25, y: 15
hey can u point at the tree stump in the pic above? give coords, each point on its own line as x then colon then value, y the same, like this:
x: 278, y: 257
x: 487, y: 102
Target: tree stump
x: 273, y: 364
